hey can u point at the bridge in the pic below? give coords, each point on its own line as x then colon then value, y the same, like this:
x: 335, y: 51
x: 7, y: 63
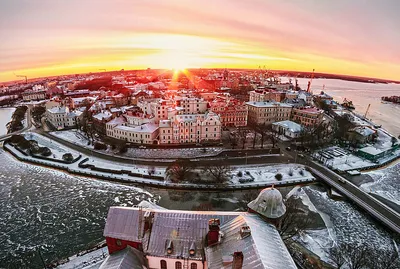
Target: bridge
x: 377, y: 209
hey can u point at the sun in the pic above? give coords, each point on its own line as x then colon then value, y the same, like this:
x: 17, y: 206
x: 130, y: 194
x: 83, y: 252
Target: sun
x: 174, y: 60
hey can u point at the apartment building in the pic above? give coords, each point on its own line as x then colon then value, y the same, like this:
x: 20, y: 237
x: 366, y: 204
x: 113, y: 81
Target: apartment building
x: 190, y: 128
x: 307, y: 116
x: 232, y: 112
x: 268, y: 112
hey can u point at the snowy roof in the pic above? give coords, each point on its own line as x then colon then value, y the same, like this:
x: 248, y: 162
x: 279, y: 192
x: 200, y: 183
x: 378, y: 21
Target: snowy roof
x: 122, y: 224
x: 75, y: 113
x: 58, y: 110
x: 144, y: 128
x: 364, y: 131
x: 113, y: 110
x: 183, y: 228
x: 117, y: 120
x: 268, y: 104
x: 165, y: 123
x: 263, y: 248
x: 103, y: 115
x: 371, y: 150
x: 128, y: 258
x: 291, y: 125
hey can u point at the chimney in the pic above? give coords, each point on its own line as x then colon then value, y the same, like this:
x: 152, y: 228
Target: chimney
x: 213, y: 231
x: 237, y: 260
x: 245, y: 232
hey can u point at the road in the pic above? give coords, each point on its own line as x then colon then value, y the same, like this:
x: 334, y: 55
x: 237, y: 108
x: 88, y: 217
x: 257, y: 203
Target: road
x: 29, y: 122
x: 380, y: 211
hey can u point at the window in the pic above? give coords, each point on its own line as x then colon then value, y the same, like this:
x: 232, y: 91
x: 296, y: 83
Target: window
x: 118, y: 242
x: 163, y: 264
x: 178, y: 265
x: 193, y: 265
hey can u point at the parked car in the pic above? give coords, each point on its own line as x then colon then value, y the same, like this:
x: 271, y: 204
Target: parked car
x: 288, y: 148
x: 300, y: 155
x: 142, y: 147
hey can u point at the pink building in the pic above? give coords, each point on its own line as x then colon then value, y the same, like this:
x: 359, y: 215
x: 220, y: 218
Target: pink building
x: 231, y: 111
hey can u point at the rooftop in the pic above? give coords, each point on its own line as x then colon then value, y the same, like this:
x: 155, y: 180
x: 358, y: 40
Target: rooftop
x: 268, y: 104
x: 291, y: 125
x: 144, y: 128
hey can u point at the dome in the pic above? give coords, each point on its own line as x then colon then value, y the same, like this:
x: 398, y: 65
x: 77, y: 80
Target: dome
x: 269, y: 203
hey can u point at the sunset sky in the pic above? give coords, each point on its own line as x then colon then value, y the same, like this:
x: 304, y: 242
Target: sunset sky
x: 53, y: 37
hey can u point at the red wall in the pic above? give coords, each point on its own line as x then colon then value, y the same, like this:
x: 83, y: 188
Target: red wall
x: 113, y: 247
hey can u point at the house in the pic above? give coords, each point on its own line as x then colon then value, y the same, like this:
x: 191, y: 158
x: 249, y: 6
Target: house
x: 287, y: 128
x: 361, y: 134
x: 177, y: 239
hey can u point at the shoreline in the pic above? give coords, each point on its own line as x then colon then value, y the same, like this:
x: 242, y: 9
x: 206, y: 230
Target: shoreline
x: 152, y: 182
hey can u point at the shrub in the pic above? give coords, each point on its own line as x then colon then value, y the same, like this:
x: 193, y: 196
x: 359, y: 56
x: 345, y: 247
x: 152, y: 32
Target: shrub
x: 239, y: 174
x: 113, y: 146
x: 301, y: 172
x: 16, y: 139
x: 45, y: 151
x: 290, y: 173
x: 24, y: 144
x: 123, y: 149
x: 278, y: 176
x: 100, y: 146
x: 68, y: 157
x: 248, y: 173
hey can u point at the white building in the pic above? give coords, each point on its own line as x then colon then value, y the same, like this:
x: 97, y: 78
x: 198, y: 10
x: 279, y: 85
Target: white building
x: 189, y: 128
x: 287, y: 128
x: 62, y: 117
x: 38, y: 92
x: 144, y: 133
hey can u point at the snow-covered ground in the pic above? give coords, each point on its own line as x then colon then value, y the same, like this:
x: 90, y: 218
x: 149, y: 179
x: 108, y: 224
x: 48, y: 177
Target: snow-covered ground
x: 266, y: 173
x: 91, y: 260
x: 344, y: 224
x: 57, y: 149
x: 386, y: 183
x: 344, y: 160
x: 78, y: 138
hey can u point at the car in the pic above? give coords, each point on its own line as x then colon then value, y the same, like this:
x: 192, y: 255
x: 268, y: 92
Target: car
x: 142, y: 147
x: 288, y: 148
x: 300, y: 155
x: 342, y: 180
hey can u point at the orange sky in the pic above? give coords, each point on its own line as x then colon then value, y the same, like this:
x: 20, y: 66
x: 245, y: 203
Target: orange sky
x: 52, y: 37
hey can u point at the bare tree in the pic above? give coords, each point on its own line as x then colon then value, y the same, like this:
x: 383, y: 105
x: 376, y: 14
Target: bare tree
x: 253, y: 126
x: 242, y: 134
x: 218, y: 171
x: 353, y: 256
x: 294, y: 221
x: 385, y: 259
x: 179, y: 170
x: 337, y: 256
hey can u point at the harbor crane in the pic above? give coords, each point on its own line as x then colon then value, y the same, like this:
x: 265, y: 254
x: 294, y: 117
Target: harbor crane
x: 309, y: 83
x: 22, y: 76
x: 366, y: 112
